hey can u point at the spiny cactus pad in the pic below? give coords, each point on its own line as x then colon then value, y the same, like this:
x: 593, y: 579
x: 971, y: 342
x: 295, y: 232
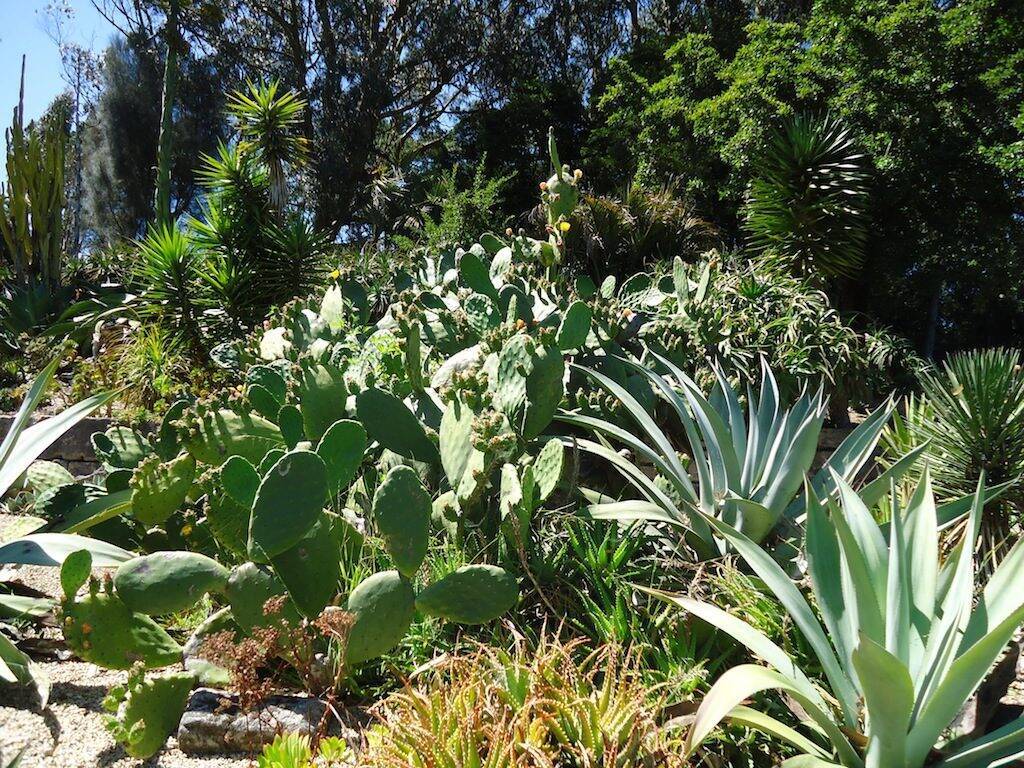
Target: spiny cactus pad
x: 249, y: 588
x: 101, y: 629
x: 342, y: 448
x: 322, y: 395
x: 167, y: 582
x: 529, y: 384
x: 456, y: 440
x: 120, y: 447
x: 310, y: 569
x: 288, y: 503
x: 383, y: 606
x: 158, y: 489
x: 474, y: 594
x: 547, y: 469
x: 147, y: 712
x: 390, y: 422
x: 221, y: 434
x: 401, y: 511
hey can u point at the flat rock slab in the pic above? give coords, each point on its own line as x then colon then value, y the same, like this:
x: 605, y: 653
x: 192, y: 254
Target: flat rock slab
x: 214, y: 724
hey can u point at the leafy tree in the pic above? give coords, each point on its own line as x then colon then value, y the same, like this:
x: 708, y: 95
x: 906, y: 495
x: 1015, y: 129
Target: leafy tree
x: 122, y: 133
x: 931, y: 94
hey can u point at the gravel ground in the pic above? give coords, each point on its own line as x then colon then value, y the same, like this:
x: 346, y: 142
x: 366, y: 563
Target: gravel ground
x: 70, y: 733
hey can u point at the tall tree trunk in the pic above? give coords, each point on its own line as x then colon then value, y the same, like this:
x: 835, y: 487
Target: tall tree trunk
x: 162, y: 203
x: 933, y: 322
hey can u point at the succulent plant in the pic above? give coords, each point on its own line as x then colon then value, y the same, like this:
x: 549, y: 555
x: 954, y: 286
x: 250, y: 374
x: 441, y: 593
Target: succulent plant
x: 144, y: 712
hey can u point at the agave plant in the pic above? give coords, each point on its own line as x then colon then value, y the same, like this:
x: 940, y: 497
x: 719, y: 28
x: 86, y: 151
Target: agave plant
x: 749, y: 469
x: 903, y: 644
x: 808, y: 201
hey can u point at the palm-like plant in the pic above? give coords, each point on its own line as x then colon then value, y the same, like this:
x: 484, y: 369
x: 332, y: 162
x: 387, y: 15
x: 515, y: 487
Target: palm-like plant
x: 749, y: 468
x: 169, y: 269
x: 641, y: 226
x: 808, y: 199
x: 977, y: 428
x: 268, y: 121
x: 903, y: 644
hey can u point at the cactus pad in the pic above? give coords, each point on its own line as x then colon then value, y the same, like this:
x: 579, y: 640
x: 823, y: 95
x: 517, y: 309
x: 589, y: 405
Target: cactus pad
x: 222, y: 434
x: 575, y: 326
x: 288, y: 503
x: 342, y: 448
x: 311, y: 568
x: 322, y: 394
x: 147, y: 712
x: 401, y: 510
x: 167, y: 582
x: 249, y: 588
x: 120, y: 447
x: 158, y: 489
x: 474, y: 594
x: 101, y: 629
x: 383, y: 606
x: 390, y: 422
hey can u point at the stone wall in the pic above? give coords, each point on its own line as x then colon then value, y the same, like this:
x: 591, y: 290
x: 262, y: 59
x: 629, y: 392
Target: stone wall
x: 74, y: 448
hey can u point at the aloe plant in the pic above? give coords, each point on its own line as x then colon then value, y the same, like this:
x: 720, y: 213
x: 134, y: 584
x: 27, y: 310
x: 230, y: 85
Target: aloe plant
x: 902, y: 643
x: 749, y: 468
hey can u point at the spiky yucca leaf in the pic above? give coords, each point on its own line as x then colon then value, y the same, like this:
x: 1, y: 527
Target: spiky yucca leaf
x: 808, y: 199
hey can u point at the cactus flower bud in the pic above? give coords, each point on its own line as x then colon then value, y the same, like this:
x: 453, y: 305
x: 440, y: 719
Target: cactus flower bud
x: 543, y: 186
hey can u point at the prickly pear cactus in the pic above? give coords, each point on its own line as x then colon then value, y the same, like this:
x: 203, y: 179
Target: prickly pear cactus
x: 144, y: 713
x: 249, y: 588
x: 213, y: 436
x: 42, y: 476
x: 383, y: 606
x: 322, y: 393
x: 160, y: 488
x: 167, y: 582
x: 390, y: 422
x: 342, y: 448
x: 473, y: 594
x: 120, y: 447
x: 401, y: 512
x: 529, y: 384
x: 310, y: 570
x: 101, y: 629
x: 288, y: 503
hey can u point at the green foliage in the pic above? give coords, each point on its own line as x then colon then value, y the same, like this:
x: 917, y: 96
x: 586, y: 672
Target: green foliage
x: 902, y: 664
x: 168, y: 582
x: 749, y: 468
x: 144, y: 712
x: 32, y: 207
x: 807, y: 201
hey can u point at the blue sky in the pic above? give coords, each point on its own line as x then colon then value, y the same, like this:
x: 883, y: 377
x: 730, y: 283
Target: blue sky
x: 23, y: 31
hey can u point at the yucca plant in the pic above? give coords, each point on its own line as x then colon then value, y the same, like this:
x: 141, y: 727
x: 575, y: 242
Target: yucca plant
x: 808, y: 200
x: 903, y: 646
x: 975, y: 427
x: 268, y: 121
x: 170, y: 272
x: 749, y: 468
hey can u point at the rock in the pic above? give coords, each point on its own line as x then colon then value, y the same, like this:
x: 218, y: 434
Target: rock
x: 213, y: 723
